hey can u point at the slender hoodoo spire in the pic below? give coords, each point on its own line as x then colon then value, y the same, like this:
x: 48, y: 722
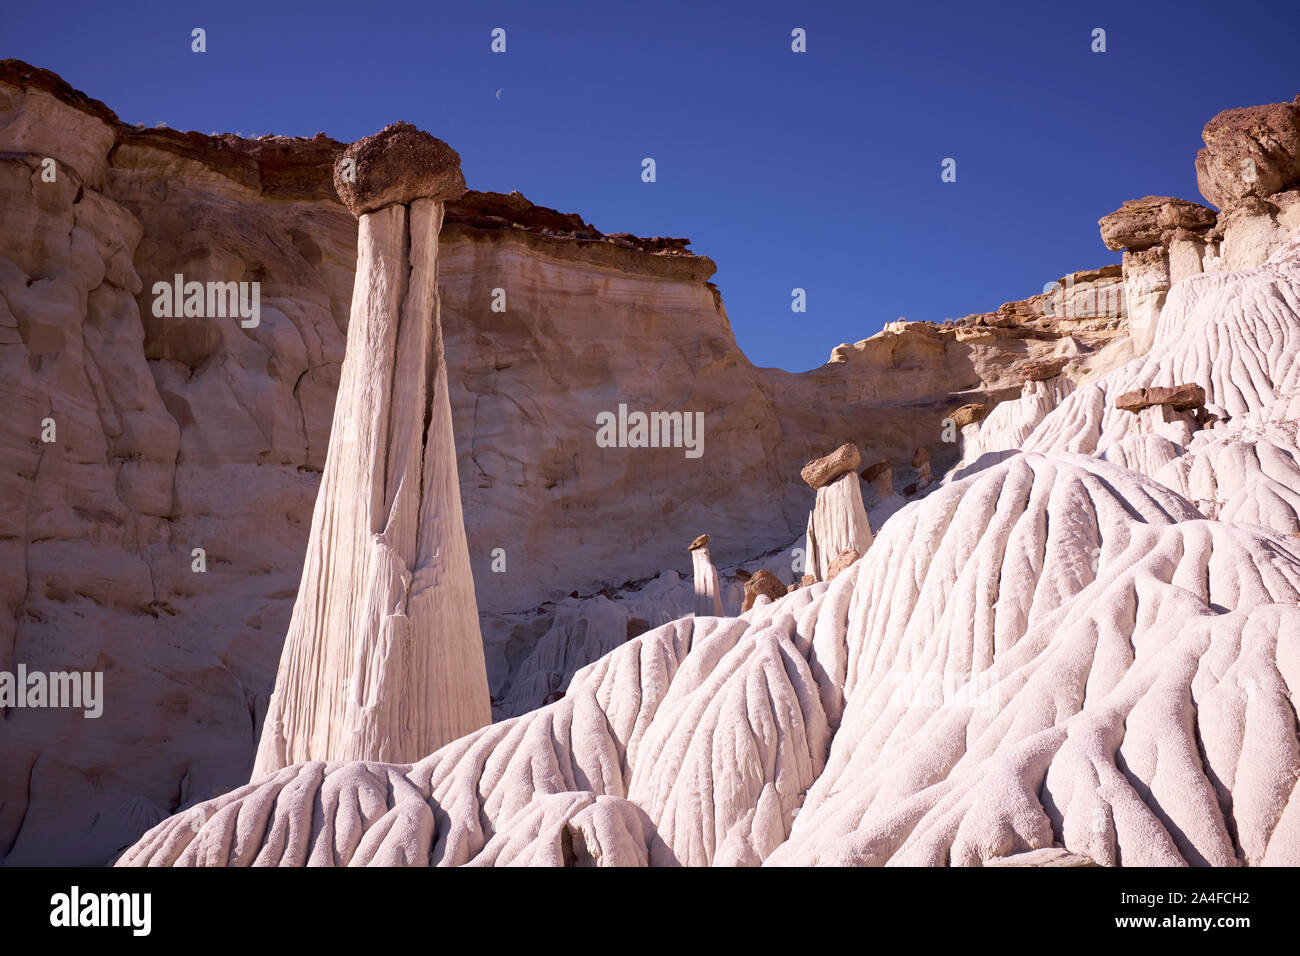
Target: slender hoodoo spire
x: 708, y: 596
x: 384, y: 659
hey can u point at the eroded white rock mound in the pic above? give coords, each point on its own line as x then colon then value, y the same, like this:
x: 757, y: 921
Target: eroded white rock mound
x: 1054, y: 652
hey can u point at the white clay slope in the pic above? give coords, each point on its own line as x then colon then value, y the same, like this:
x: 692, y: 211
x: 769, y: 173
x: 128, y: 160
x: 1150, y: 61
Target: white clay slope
x: 1233, y: 333
x: 1056, y: 651
x: 1141, y: 714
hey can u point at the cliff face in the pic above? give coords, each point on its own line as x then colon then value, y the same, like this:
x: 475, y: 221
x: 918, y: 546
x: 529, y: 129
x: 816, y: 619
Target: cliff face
x: 178, y: 433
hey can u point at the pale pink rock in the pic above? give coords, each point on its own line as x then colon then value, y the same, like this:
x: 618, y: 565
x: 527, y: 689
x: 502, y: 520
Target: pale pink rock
x: 852, y: 730
x: 708, y: 593
x: 179, y: 433
x: 838, y: 523
x: 384, y: 659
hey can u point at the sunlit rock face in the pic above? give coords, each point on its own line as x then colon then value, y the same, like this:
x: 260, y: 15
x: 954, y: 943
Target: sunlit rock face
x: 188, y: 432
x: 1056, y: 658
x: 1164, y: 241
x: 384, y: 659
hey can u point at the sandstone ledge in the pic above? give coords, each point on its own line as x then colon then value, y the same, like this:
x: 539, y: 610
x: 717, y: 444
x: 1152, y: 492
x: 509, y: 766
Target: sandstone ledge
x: 1153, y: 221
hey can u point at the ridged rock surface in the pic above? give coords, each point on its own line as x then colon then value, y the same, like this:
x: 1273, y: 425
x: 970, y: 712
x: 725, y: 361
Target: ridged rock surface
x: 384, y: 658
x: 1055, y: 655
x: 1232, y: 333
x: 181, y: 433
x: 915, y: 710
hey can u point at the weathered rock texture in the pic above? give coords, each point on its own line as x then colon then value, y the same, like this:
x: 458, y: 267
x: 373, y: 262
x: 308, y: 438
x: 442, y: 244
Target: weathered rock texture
x: 184, y: 433
x: 1154, y: 220
x: 761, y: 588
x: 1251, y: 151
x: 180, y: 433
x: 384, y: 659
x: 1054, y: 659
x: 1043, y: 369
x: 968, y: 414
x: 708, y: 594
x: 397, y: 166
x: 823, y: 471
x: 1250, y: 167
x: 1069, y: 723
x: 842, y: 561
x: 880, y: 478
x: 838, y: 523
x: 1165, y: 240
x: 1179, y: 397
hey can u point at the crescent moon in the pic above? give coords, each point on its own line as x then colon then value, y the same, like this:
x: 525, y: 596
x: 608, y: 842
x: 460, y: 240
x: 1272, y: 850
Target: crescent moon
x: 499, y: 93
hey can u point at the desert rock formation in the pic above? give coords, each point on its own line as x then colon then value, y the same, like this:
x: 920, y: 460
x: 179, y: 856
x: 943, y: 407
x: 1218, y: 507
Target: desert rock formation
x: 184, y: 433
x: 190, y: 433
x: 384, y: 659
x: 762, y: 588
x: 838, y: 522
x: 1250, y: 168
x: 1055, y: 656
x: 1164, y: 241
x: 708, y: 593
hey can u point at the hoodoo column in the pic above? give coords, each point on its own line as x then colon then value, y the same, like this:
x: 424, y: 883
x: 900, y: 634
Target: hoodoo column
x: 838, y: 522
x: 708, y: 595
x: 384, y: 659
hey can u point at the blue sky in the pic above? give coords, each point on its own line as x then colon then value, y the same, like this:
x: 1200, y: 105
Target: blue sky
x: 818, y: 170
